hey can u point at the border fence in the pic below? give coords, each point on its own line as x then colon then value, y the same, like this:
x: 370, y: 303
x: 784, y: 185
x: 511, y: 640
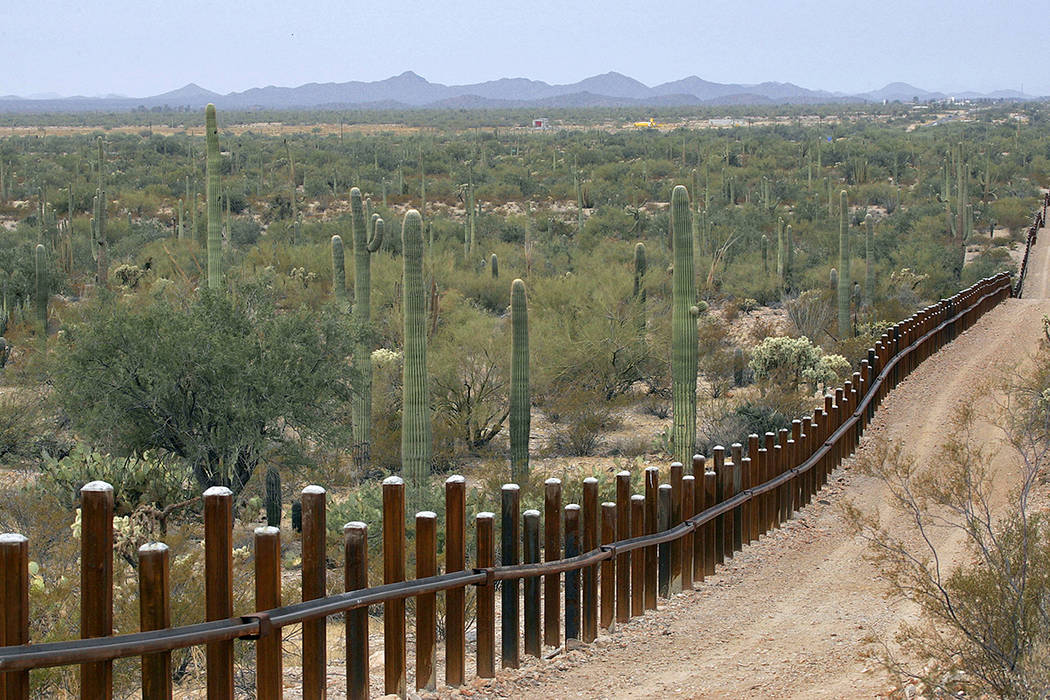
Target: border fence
x: 616, y: 558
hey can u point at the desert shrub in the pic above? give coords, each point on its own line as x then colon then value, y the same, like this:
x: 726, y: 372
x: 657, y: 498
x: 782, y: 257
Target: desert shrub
x: 24, y: 426
x: 716, y: 354
x: 583, y: 419
x: 985, y: 625
x: 788, y: 362
x: 217, y: 380
x: 469, y: 362
x: 811, y: 313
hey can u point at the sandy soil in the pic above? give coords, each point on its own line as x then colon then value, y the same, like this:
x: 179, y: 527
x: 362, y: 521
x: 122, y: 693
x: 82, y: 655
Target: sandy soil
x: 791, y: 616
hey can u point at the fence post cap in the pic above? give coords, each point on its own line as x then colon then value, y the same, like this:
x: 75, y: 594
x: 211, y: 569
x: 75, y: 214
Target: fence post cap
x: 93, y: 486
x: 217, y: 491
x: 552, y: 482
x: 314, y: 490
x: 456, y: 479
x: 355, y: 525
x: 393, y: 481
x: 151, y: 547
x: 531, y: 513
x: 510, y: 487
x: 12, y: 538
x: 267, y: 530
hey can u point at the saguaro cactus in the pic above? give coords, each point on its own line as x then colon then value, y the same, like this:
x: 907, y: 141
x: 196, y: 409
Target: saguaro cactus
x: 789, y: 262
x: 494, y: 266
x: 639, y: 284
x: 683, y: 329
x: 361, y: 316
x: 844, y: 284
x: 40, y: 283
x: 869, y: 260
x: 780, y: 250
x: 273, y: 497
x: 520, y: 401
x: 214, y: 223
x: 338, y: 268
x: 98, y: 229
x: 415, y: 412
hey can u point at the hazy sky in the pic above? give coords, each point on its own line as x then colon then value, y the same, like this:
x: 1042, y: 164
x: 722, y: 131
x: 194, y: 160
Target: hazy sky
x: 145, y: 47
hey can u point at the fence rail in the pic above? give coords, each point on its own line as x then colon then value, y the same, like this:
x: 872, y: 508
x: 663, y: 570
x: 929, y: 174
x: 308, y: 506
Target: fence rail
x: 680, y: 531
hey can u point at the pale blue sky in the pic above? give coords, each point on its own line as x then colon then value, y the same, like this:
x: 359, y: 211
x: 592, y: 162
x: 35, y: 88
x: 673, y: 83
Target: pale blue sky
x: 144, y: 47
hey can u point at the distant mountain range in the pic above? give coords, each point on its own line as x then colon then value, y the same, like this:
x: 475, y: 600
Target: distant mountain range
x: 410, y: 91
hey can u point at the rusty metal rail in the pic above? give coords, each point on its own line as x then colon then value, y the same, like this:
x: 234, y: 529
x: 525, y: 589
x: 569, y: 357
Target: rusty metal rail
x: 735, y: 502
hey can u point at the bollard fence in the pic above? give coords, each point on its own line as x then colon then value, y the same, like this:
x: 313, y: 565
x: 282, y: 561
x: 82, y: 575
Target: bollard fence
x: 618, y: 556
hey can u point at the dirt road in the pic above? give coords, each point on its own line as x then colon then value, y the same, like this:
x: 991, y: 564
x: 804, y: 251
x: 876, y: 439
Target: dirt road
x: 790, y: 616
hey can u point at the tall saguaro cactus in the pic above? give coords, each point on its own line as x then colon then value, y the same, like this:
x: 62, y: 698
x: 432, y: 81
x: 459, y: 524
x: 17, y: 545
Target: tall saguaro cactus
x: 338, y: 268
x: 98, y: 228
x: 211, y: 133
x: 520, y: 401
x: 683, y: 329
x: 415, y: 411
x: 869, y: 260
x: 361, y: 316
x: 40, y: 282
x: 844, y: 284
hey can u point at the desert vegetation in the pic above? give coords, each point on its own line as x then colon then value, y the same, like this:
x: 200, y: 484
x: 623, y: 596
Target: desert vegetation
x: 177, y: 312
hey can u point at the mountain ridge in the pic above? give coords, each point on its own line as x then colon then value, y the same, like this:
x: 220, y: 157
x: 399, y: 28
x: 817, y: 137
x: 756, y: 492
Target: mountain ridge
x: 412, y: 91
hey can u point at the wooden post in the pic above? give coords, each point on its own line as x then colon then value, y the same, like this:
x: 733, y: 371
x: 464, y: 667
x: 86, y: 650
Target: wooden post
x: 674, y: 519
x: 552, y: 552
x: 426, y: 604
x: 771, y: 473
x: 218, y: 585
x: 268, y: 673
x: 155, y: 614
x: 96, y: 583
x: 710, y: 530
x: 315, y: 642
x: 783, y: 439
x: 14, y: 609
x: 455, y: 560
x: 530, y: 535
x: 355, y: 578
x: 484, y: 524
x: 699, y: 543
x: 664, y: 549
x: 590, y: 573
x: 608, y: 575
x: 637, y: 556
x: 510, y: 537
x: 623, y: 532
x: 572, y: 578
x: 796, y: 452
x: 724, y: 522
x: 652, y: 481
x: 753, y: 479
x: 395, y: 674
x: 738, y: 485
x: 688, y: 505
